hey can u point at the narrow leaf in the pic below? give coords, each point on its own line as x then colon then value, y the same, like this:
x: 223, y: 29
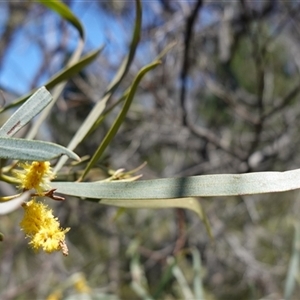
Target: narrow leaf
x: 178, y: 274
x: 12, y: 148
x: 63, y: 75
x: 120, y: 118
x: 133, y: 45
x: 166, y: 278
x: 36, y: 103
x: 12, y: 205
x: 98, y: 109
x: 74, y: 69
x: 64, y: 12
x: 293, y: 270
x: 186, y: 203
x: 194, y: 186
x: 197, y: 267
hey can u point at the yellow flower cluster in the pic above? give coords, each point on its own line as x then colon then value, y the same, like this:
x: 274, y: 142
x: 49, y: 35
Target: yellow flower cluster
x: 43, y: 228
x: 38, y: 223
x: 36, y: 175
x: 81, y: 285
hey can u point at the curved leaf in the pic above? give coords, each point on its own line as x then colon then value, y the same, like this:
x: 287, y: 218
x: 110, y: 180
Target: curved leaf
x: 64, y: 12
x: 10, y: 206
x: 67, y: 73
x: 35, y: 104
x: 12, y: 148
x: 133, y: 45
x: 63, y: 75
x: 194, y: 186
x: 120, y: 118
x: 186, y: 203
x: 98, y: 109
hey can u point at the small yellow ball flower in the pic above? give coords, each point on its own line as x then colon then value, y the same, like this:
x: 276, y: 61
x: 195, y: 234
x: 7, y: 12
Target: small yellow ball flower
x: 43, y: 228
x: 81, y: 285
x: 36, y: 175
x: 56, y: 295
x: 37, y: 215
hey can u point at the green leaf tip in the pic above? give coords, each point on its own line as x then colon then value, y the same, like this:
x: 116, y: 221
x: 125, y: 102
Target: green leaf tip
x: 63, y: 10
x: 12, y: 148
x: 34, y: 105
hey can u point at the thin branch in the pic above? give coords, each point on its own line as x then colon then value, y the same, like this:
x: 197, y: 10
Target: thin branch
x: 283, y: 103
x: 185, y: 64
x: 231, y: 100
x: 215, y: 140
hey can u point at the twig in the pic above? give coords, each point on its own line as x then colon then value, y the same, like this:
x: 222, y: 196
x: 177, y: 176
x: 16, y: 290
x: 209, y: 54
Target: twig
x: 185, y: 64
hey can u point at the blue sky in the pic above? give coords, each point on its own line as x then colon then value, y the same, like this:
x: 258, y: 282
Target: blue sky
x: 23, y: 59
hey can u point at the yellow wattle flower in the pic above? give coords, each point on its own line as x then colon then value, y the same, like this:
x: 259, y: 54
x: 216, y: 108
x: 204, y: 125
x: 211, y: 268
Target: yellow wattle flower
x: 81, y: 285
x: 56, y: 295
x: 43, y: 228
x: 36, y: 175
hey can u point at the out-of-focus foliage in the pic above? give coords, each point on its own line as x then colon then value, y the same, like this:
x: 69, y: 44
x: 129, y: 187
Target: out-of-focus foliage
x: 224, y: 100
